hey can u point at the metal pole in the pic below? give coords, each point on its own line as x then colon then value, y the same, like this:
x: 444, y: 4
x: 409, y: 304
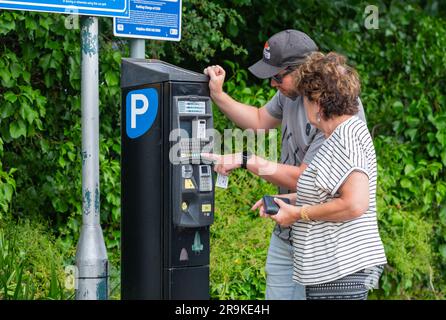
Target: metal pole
x: 91, y: 255
x: 138, y: 48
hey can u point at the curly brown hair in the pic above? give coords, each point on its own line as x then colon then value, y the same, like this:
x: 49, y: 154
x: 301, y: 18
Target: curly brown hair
x: 327, y: 79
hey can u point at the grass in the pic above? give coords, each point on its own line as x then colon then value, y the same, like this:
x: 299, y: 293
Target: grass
x: 31, y: 266
x: 239, y: 240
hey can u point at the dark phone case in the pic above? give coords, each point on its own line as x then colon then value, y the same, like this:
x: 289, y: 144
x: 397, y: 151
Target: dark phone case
x: 270, y: 206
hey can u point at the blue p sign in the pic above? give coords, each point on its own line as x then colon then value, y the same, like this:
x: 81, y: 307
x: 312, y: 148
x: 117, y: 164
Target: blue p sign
x: 141, y: 110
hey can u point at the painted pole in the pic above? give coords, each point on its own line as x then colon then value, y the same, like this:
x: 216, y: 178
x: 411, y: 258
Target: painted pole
x: 91, y: 255
x: 138, y: 48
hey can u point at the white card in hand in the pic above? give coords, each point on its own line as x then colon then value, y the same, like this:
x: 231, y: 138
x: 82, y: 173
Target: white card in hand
x: 222, y: 181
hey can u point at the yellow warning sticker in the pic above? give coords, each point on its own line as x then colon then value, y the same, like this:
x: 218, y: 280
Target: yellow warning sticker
x: 206, y: 207
x: 188, y: 184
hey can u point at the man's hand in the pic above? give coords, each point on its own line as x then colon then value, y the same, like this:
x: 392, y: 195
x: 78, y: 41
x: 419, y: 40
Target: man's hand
x: 217, y: 78
x: 243, y: 115
x: 224, y: 164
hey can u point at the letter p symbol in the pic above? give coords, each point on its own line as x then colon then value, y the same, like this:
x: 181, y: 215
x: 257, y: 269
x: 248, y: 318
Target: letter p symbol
x: 137, y: 111
x: 141, y: 111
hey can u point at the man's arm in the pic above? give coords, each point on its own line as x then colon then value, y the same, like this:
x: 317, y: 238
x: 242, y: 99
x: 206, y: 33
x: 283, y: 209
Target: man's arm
x: 244, y: 116
x: 282, y: 175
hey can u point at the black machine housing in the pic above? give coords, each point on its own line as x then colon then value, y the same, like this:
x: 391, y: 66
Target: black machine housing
x: 167, y: 205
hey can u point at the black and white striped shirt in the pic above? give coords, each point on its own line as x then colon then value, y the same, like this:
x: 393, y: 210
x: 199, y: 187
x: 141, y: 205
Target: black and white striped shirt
x: 325, y: 251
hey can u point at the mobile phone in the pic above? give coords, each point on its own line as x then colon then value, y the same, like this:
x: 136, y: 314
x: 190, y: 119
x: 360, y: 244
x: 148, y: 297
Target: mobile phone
x: 270, y: 206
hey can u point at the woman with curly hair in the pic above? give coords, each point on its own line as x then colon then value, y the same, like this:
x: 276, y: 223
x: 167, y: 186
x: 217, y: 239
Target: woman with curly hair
x: 338, y: 253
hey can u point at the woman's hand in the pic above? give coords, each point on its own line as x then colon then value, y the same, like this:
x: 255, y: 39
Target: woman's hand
x: 287, y: 214
x: 259, y: 205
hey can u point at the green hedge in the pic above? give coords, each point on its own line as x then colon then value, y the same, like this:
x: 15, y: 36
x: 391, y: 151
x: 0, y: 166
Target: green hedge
x: 31, y: 262
x: 401, y: 65
x: 403, y: 90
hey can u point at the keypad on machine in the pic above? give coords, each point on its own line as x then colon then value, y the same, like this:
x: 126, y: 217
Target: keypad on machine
x: 191, y: 148
x: 205, y: 184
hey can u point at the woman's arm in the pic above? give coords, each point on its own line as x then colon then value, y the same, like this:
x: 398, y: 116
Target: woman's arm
x: 352, y: 203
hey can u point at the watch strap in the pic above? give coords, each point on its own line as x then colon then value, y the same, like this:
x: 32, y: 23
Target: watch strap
x: 245, y: 156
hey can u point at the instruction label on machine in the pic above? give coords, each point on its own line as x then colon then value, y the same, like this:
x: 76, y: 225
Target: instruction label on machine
x: 191, y: 107
x: 160, y: 20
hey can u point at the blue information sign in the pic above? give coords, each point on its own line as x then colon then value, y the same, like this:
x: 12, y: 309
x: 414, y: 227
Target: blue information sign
x: 109, y: 8
x: 151, y: 19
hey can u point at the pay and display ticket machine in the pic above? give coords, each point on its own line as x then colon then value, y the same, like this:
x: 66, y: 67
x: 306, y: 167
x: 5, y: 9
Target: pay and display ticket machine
x: 167, y: 190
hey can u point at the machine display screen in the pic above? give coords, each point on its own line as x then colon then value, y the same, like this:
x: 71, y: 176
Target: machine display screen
x: 195, y: 107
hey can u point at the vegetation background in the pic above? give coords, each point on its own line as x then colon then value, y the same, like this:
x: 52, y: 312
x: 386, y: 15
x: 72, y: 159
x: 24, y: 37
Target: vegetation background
x: 402, y: 68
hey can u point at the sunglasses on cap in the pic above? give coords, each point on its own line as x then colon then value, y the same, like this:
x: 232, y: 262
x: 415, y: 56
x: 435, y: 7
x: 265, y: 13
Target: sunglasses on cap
x: 279, y: 77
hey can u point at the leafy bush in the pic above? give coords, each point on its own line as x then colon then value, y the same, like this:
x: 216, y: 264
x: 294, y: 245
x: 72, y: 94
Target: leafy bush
x: 401, y: 65
x: 31, y: 266
x: 239, y: 239
x: 404, y: 98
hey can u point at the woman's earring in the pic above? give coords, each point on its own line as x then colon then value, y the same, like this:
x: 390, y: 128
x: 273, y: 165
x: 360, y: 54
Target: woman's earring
x: 318, y: 117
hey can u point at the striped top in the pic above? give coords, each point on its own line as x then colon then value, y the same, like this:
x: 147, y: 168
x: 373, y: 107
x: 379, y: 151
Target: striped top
x: 325, y: 251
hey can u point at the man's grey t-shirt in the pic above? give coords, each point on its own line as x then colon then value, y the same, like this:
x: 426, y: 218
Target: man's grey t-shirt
x: 300, y: 140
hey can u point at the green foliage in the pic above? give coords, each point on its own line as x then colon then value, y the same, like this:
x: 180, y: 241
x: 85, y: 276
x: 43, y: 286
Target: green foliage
x: 208, y: 28
x: 403, y: 91
x: 236, y: 86
x: 7, y: 188
x: 407, y: 118
x: 239, y: 239
x: 409, y: 194
x: 31, y: 267
x: 401, y: 65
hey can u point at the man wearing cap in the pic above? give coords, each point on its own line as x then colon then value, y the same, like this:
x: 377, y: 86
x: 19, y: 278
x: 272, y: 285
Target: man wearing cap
x: 282, y: 54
